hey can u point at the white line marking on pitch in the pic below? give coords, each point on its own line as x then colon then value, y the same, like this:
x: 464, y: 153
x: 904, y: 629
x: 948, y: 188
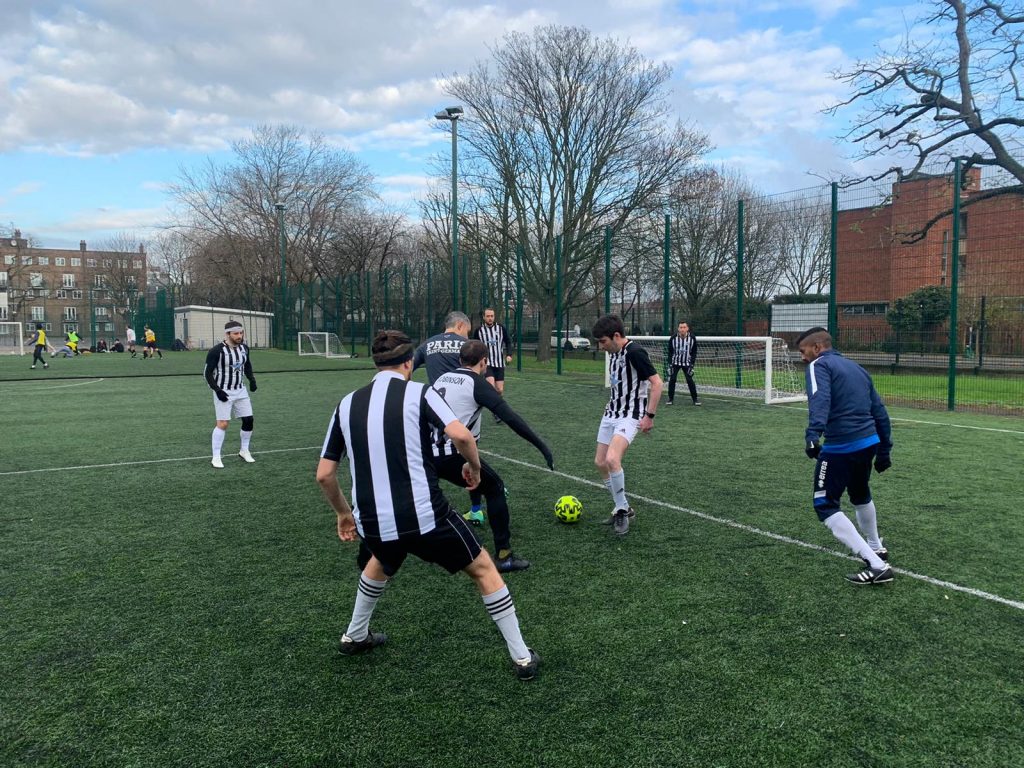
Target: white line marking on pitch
x: 149, y: 461
x: 768, y: 534
x: 59, y: 386
x: 701, y: 515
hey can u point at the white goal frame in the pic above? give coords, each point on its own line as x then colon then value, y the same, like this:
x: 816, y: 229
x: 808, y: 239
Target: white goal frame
x: 320, y: 344
x: 16, y: 331
x: 779, y: 386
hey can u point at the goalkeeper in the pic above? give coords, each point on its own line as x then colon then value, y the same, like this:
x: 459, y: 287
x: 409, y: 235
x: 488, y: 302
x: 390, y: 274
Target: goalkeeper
x: 843, y: 405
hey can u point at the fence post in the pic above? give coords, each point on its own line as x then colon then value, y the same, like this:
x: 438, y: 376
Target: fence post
x: 740, y: 246
x: 954, y: 293
x: 352, y: 311
x: 405, y: 297
x: 368, y: 304
x: 833, y: 248
x: 607, y: 270
x: 429, y: 319
x: 558, y: 306
x: 519, y: 307
x: 666, y: 289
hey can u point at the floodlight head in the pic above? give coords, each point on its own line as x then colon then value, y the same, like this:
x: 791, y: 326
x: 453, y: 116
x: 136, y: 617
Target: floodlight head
x: 449, y: 113
x: 279, y: 206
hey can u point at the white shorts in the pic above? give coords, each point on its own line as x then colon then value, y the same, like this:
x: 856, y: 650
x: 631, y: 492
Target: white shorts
x: 238, y: 404
x: 624, y: 427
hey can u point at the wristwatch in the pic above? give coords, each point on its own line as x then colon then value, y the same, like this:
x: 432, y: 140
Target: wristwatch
x: 650, y: 415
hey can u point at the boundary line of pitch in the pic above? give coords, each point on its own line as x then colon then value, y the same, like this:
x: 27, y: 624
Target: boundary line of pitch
x: 767, y: 534
x: 583, y: 481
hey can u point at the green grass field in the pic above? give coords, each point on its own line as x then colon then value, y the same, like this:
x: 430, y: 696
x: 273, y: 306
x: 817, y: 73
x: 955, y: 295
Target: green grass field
x: 160, y: 612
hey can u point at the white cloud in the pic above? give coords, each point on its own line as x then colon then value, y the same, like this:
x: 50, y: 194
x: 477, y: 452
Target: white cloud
x: 20, y: 190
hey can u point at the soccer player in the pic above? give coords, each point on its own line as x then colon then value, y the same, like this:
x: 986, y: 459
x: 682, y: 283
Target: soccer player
x: 499, y: 349
x: 399, y: 509
x: 682, y: 349
x: 635, y: 391
x: 467, y: 393
x: 129, y: 335
x: 38, y: 339
x: 226, y: 363
x: 151, y: 346
x: 73, y: 339
x: 440, y: 353
x: 843, y: 405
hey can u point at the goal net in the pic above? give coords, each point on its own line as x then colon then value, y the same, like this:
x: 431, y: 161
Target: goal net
x: 12, y: 339
x: 318, y: 344
x: 738, y: 366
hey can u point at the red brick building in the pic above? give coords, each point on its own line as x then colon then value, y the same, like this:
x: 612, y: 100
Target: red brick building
x: 877, y: 265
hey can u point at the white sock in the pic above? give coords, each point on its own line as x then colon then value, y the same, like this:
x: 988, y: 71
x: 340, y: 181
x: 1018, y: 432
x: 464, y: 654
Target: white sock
x: 867, y: 521
x: 367, y: 595
x: 618, y: 489
x: 246, y: 437
x: 218, y: 440
x: 844, y: 530
x: 499, y: 604
x: 608, y: 485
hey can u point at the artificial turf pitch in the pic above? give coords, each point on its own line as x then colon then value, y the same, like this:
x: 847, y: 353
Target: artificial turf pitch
x: 167, y: 613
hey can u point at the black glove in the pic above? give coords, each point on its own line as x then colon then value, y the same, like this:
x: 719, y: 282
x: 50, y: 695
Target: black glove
x: 882, y: 462
x: 252, y: 385
x: 689, y: 370
x: 813, y: 449
x: 221, y: 395
x: 549, y: 458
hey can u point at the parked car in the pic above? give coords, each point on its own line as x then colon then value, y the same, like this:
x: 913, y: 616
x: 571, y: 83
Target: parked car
x: 570, y: 341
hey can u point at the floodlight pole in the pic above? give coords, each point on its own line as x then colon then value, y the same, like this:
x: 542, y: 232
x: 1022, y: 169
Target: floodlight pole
x: 284, y: 278
x: 452, y: 115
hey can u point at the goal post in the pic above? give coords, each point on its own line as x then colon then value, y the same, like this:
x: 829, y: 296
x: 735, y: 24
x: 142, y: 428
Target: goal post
x: 735, y: 366
x: 320, y: 344
x: 12, y: 339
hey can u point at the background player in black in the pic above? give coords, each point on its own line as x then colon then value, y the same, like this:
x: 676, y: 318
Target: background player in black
x: 468, y: 393
x: 440, y: 353
x: 682, y: 350
x: 399, y: 508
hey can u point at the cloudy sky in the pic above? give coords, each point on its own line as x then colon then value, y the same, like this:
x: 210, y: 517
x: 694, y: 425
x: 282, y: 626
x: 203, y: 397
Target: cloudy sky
x: 106, y: 100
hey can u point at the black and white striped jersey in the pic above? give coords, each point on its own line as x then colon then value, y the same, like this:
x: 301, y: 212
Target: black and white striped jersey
x: 385, y: 430
x: 683, y: 350
x: 467, y: 394
x: 227, y: 366
x: 629, y: 370
x: 497, y: 341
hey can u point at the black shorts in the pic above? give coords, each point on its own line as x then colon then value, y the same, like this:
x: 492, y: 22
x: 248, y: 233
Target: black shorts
x: 498, y: 374
x: 836, y: 473
x: 151, y: 344
x: 452, y: 545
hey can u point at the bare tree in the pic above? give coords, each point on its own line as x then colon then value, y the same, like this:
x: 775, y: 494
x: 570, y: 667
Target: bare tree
x: 231, y: 208
x: 956, y: 93
x: 575, y: 131
x: 804, y: 238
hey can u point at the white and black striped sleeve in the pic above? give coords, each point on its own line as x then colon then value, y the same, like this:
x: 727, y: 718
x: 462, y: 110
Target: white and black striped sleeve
x: 439, y: 408
x: 334, y: 444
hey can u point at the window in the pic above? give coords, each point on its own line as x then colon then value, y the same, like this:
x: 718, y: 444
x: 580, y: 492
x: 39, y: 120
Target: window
x: 137, y: 264
x: 132, y: 280
x: 60, y: 261
x: 44, y: 261
x: 122, y: 263
x: 68, y: 281
x: 3, y: 279
x: 70, y: 313
x: 9, y: 259
x: 102, y: 311
x: 60, y: 293
x: 38, y: 314
x: 108, y: 263
x: 99, y: 281
x: 864, y: 309
x: 945, y: 257
x: 31, y: 327
x: 68, y: 327
x: 26, y: 261
x: 35, y: 279
x: 108, y: 327
x: 76, y: 261
x: 3, y: 312
x: 90, y: 262
x: 76, y: 294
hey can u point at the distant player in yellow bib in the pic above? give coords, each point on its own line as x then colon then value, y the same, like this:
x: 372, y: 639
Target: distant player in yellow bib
x: 151, y: 346
x: 39, y: 340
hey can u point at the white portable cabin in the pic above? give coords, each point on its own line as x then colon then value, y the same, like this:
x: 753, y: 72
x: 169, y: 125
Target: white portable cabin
x: 203, y: 327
